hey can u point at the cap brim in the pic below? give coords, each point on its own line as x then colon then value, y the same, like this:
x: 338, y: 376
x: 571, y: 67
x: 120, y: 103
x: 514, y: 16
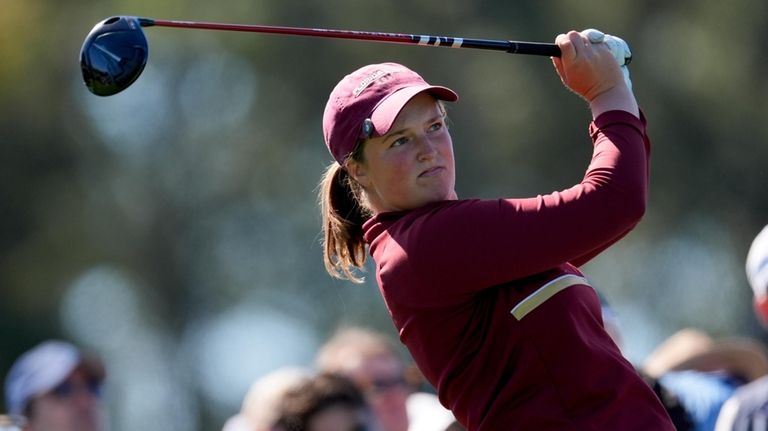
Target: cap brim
x: 694, y: 350
x: 385, y: 113
x: 44, y: 369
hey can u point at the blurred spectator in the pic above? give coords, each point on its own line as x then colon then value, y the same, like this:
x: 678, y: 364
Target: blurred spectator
x: 681, y: 419
x: 702, y: 373
x: 259, y: 409
x: 12, y: 422
x: 676, y: 410
x: 757, y: 274
x: 57, y: 388
x: 373, y: 363
x: 326, y: 402
x: 747, y: 409
x: 741, y: 358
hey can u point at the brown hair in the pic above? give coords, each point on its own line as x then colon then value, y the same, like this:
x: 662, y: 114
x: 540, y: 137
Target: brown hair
x: 302, y: 403
x: 343, y: 209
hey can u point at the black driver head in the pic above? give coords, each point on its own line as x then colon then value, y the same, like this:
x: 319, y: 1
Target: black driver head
x: 113, y: 55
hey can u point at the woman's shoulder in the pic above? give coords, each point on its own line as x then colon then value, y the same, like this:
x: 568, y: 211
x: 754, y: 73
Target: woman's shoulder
x: 437, y: 218
x: 442, y: 210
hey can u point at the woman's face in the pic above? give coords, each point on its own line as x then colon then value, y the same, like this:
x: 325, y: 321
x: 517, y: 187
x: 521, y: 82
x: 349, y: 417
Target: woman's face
x: 339, y: 418
x: 74, y: 405
x: 412, y: 165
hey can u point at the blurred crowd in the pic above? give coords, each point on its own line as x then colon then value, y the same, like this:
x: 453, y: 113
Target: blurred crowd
x: 361, y: 381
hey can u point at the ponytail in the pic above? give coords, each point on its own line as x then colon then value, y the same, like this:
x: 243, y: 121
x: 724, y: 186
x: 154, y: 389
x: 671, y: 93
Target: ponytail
x: 343, y: 216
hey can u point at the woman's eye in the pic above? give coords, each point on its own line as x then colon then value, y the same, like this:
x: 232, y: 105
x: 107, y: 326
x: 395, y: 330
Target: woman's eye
x: 436, y: 126
x: 399, y: 142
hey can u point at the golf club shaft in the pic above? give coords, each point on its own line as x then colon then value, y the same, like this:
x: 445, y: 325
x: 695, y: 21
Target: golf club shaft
x: 514, y: 47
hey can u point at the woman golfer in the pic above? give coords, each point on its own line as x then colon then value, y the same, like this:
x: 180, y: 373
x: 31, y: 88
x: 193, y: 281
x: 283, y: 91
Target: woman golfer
x: 486, y: 294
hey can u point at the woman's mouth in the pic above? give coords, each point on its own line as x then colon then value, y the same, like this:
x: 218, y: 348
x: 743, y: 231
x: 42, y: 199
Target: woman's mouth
x: 431, y: 171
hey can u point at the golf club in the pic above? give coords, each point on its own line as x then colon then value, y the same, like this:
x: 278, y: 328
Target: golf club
x: 115, y: 52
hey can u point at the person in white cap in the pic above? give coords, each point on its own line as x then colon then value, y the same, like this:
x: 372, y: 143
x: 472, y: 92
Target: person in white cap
x: 747, y: 408
x: 757, y: 274
x: 57, y: 388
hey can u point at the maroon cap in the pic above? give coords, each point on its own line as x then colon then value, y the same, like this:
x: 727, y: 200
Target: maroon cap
x: 377, y: 92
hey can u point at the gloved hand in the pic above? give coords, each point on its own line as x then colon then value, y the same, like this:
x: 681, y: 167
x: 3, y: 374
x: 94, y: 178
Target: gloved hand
x: 616, y: 45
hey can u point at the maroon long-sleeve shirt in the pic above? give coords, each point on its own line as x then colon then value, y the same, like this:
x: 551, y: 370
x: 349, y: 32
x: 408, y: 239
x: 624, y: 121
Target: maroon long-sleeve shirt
x: 488, y: 299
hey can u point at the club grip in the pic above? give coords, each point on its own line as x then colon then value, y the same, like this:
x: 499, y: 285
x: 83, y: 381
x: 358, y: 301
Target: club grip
x: 534, y: 48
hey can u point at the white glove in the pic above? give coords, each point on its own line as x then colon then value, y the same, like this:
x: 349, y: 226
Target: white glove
x: 616, y: 45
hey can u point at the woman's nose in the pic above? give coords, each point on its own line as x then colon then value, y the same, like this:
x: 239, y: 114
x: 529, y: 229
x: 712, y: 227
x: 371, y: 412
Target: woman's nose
x: 427, y: 148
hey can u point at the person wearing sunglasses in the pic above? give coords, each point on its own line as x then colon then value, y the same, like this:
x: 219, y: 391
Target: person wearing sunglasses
x: 57, y: 387
x: 376, y: 367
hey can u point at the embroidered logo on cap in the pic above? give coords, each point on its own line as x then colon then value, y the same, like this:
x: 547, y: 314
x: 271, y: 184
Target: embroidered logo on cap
x: 365, y: 83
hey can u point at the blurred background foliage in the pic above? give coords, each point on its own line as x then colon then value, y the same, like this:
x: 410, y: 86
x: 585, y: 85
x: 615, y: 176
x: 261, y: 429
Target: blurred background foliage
x: 172, y: 228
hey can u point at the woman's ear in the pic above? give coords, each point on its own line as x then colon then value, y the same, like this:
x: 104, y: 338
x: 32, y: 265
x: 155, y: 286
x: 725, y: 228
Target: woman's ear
x: 357, y: 171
